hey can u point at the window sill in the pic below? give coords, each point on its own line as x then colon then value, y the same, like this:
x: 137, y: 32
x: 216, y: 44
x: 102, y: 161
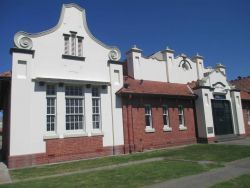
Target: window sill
x: 72, y: 135
x: 72, y: 57
x: 167, y: 129
x: 96, y: 133
x: 182, y: 128
x: 150, y: 130
x: 50, y: 136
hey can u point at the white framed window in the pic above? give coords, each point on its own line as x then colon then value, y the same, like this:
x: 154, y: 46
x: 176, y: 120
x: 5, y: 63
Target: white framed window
x: 248, y: 116
x: 66, y: 44
x: 165, y: 115
x: 74, y: 108
x: 148, y: 118
x: 181, y: 118
x: 73, y: 44
x: 51, y: 108
x: 96, y: 108
x: 80, y: 46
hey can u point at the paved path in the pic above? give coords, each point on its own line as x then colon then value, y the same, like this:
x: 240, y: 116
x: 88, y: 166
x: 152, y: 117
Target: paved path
x: 245, y: 142
x: 4, y: 174
x: 207, y: 179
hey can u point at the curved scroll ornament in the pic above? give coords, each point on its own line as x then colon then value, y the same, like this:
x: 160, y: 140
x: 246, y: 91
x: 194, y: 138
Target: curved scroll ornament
x: 114, y: 55
x: 23, y: 42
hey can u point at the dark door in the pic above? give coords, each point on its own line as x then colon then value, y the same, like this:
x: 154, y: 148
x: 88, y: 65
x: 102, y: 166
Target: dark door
x: 222, y: 117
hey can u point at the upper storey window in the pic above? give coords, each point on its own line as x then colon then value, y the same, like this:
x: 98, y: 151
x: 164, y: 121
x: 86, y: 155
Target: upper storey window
x: 73, y: 46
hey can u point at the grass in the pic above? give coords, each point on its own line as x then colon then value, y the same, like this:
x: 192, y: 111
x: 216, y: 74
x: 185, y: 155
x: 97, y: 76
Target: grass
x: 212, y: 152
x: 130, y: 176
x: 239, y: 182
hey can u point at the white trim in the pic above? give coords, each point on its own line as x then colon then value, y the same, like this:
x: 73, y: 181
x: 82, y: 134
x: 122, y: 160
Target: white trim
x: 69, y: 81
x: 149, y: 129
x: 166, y: 128
x: 182, y: 128
x: 50, y: 136
x: 72, y: 135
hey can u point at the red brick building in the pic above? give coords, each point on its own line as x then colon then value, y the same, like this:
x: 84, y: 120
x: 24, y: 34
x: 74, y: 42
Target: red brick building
x: 157, y: 114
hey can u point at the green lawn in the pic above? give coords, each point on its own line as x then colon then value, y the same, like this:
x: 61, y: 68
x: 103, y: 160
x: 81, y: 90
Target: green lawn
x: 211, y: 152
x: 134, y: 175
x: 130, y: 176
x: 239, y: 182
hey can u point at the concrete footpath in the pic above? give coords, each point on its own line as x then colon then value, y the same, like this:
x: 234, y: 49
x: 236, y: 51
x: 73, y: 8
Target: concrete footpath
x: 4, y: 174
x: 212, y: 177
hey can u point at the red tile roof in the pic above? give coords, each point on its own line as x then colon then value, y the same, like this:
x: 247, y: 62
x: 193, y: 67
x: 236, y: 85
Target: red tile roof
x: 243, y: 84
x: 6, y: 74
x: 132, y: 86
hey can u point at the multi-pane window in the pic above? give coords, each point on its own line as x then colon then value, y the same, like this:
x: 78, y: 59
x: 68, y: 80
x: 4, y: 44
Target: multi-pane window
x: 73, y: 44
x: 148, y: 116
x: 165, y: 115
x: 248, y: 116
x: 51, y: 108
x: 74, y: 107
x: 181, y: 115
x: 80, y: 46
x: 66, y: 44
x: 96, y: 108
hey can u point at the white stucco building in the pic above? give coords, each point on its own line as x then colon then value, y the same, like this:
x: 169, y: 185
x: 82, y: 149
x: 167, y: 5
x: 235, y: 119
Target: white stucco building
x: 63, y: 87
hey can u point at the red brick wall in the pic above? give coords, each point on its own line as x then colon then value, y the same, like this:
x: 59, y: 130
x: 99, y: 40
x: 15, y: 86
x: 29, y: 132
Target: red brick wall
x: 245, y: 106
x: 135, y: 137
x: 66, y: 149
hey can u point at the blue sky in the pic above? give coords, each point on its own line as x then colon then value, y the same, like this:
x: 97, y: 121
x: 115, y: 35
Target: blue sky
x: 219, y: 30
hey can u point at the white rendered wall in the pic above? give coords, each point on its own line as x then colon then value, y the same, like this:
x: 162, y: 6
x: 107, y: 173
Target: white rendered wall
x: 28, y: 99
x: 204, y: 112
x: 237, y: 112
x: 165, y: 70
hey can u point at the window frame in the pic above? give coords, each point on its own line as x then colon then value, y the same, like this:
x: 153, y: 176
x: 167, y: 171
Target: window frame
x: 67, y: 44
x: 181, y: 113
x: 69, y: 113
x: 248, y: 116
x: 165, y: 115
x: 53, y: 97
x: 79, y: 46
x: 98, y: 106
x: 148, y: 128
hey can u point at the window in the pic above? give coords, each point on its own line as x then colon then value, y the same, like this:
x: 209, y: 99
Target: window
x: 148, y: 116
x: 165, y: 115
x: 51, y: 108
x: 181, y: 116
x: 66, y: 44
x: 73, y: 47
x: 74, y: 107
x: 248, y: 116
x: 96, y: 108
x: 73, y: 44
x: 80, y: 46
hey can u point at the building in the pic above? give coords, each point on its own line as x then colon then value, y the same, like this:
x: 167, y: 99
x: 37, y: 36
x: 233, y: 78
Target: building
x: 170, y: 100
x: 63, y: 102
x: 243, y: 84
x: 68, y: 97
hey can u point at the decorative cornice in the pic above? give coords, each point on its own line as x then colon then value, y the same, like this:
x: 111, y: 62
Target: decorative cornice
x: 71, y: 57
x: 115, y: 62
x: 20, y: 50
